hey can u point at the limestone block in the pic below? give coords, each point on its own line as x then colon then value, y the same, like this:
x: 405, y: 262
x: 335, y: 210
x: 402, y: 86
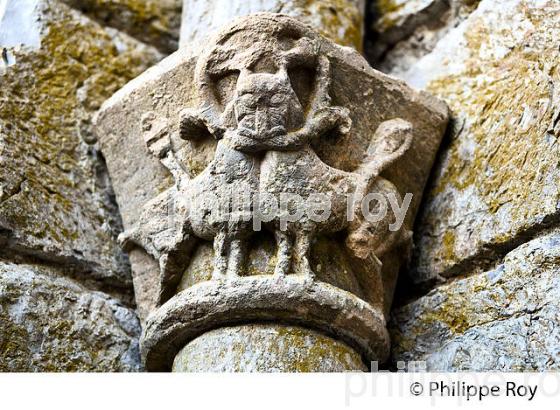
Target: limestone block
x: 404, y: 31
x: 266, y: 348
x: 52, y: 324
x: 55, y: 197
x: 341, y: 21
x: 505, y: 319
x: 498, y: 178
x: 155, y: 22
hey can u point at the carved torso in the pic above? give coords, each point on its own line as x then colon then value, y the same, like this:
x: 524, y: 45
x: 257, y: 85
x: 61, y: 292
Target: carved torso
x: 303, y: 173
x: 213, y: 194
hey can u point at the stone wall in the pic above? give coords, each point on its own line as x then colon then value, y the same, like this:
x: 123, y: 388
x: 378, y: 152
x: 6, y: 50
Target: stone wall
x: 66, y: 301
x: 480, y: 293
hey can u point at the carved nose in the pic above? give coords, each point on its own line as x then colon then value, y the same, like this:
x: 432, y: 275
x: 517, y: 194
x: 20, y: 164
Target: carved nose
x: 262, y: 121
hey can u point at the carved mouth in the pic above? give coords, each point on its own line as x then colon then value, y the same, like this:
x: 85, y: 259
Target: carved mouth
x: 260, y: 134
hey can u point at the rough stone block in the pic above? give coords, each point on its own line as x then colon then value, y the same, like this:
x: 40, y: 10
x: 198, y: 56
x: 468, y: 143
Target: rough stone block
x: 155, y: 22
x: 498, y: 179
x: 341, y: 21
x: 53, y: 324
x: 55, y: 198
x: 505, y: 319
x: 404, y: 31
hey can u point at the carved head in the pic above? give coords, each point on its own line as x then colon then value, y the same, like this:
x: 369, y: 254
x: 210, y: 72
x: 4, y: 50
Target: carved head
x: 266, y: 106
x: 264, y: 88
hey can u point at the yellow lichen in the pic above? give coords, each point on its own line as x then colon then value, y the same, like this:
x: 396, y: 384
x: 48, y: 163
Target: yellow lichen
x: 505, y: 153
x: 388, y: 11
x: 339, y: 20
x: 48, y: 97
x: 153, y: 21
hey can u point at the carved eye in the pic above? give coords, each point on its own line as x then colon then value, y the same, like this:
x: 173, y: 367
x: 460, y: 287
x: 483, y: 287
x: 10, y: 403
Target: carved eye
x: 276, y: 99
x: 248, y: 100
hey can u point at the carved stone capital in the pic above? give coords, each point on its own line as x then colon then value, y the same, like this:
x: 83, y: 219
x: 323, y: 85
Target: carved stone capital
x: 270, y: 111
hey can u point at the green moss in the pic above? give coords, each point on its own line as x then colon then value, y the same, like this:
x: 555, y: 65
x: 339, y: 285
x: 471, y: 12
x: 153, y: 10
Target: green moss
x: 495, y: 95
x: 457, y: 313
x: 323, y: 347
x: 46, y: 309
x: 448, y: 245
x: 263, y: 348
x: 14, y: 345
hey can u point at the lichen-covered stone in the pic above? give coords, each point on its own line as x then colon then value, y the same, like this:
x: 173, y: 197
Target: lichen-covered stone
x: 341, y: 21
x: 55, y: 197
x: 498, y: 180
x: 51, y: 323
x: 505, y: 319
x: 155, y: 22
x: 266, y: 348
x: 406, y: 30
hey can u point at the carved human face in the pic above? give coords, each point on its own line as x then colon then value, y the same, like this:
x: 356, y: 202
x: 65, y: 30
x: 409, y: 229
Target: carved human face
x: 266, y: 106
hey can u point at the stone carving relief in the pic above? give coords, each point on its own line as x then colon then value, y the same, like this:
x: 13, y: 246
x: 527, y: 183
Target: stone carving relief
x: 264, y: 146
x: 263, y: 88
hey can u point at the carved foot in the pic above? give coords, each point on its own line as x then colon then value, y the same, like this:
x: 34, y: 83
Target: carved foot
x: 306, y: 270
x: 302, y: 248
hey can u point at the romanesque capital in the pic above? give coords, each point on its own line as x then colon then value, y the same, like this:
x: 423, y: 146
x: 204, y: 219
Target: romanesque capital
x: 271, y: 178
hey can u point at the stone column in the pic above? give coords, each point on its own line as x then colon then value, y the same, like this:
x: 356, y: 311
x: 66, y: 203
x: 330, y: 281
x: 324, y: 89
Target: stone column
x: 267, y: 107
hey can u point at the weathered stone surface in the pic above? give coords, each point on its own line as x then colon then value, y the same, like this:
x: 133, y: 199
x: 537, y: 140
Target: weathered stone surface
x: 51, y: 323
x: 155, y: 22
x: 498, y: 179
x: 264, y: 99
x: 55, y: 198
x: 406, y: 30
x: 293, y: 299
x: 166, y: 90
x: 342, y: 21
x: 395, y: 20
x: 505, y: 319
x: 266, y: 348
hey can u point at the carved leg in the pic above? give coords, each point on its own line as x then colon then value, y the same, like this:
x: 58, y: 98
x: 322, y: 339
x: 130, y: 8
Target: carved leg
x: 284, y: 254
x: 302, y: 248
x: 220, y: 256
x: 237, y: 253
